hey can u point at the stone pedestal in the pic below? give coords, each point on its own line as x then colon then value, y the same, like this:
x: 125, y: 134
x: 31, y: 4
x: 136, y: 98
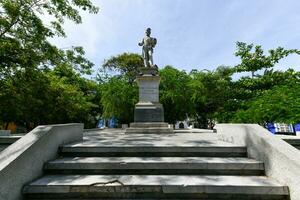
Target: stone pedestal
x: 149, y: 127
x: 148, y: 71
x: 148, y: 112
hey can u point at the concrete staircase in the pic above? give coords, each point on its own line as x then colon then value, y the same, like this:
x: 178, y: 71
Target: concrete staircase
x: 177, y: 166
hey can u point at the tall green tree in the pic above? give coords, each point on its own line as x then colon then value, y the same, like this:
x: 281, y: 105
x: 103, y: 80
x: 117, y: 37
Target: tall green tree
x: 22, y: 97
x: 31, y: 91
x: 210, y: 92
x: 280, y: 104
x: 253, y: 57
x: 119, y: 89
x: 76, y: 98
x: 24, y: 35
x: 127, y: 64
x: 175, y: 94
x: 118, y: 99
x: 248, y: 89
x: 60, y: 95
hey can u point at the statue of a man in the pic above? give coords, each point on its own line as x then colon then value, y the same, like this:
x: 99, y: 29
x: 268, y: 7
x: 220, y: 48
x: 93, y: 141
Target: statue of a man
x: 148, y: 44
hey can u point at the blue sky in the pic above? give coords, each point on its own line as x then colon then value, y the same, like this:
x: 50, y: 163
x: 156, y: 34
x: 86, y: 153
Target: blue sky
x: 192, y: 34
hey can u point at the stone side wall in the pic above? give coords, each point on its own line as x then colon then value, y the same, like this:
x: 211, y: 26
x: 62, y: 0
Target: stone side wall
x: 282, y: 161
x: 23, y: 161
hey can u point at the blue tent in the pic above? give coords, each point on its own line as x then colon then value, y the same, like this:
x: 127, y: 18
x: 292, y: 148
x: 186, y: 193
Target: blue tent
x: 101, y: 123
x: 297, y: 128
x: 112, y: 122
x: 280, y: 128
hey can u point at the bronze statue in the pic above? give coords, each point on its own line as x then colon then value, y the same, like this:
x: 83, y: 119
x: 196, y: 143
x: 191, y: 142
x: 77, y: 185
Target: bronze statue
x: 148, y: 44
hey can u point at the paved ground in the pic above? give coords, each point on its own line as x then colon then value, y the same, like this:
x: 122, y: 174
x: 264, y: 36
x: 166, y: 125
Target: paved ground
x: 116, y: 137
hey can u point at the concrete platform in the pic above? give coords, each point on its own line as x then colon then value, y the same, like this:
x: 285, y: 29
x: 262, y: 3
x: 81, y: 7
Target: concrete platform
x: 118, y: 137
x: 163, y: 186
x: 139, y: 145
x: 154, y: 165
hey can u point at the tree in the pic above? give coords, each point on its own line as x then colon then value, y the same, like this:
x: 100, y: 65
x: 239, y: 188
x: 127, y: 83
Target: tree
x: 127, y: 64
x: 118, y: 99
x: 247, y: 89
x: 210, y: 91
x: 75, y: 98
x: 57, y: 96
x: 175, y: 94
x: 30, y: 91
x: 22, y: 95
x: 254, y: 59
x: 119, y: 91
x: 24, y: 36
x: 280, y: 104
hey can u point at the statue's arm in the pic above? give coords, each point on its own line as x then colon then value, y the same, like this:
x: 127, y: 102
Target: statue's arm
x: 154, y: 42
x: 141, y: 43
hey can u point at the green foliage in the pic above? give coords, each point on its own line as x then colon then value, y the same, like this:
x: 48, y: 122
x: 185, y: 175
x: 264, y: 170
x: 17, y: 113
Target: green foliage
x: 39, y: 83
x: 247, y: 90
x: 210, y: 90
x: 127, y: 64
x: 118, y: 99
x: 24, y: 36
x: 209, y: 96
x: 21, y: 97
x: 75, y: 99
x: 280, y: 104
x: 174, y: 94
x: 254, y: 59
x: 120, y: 92
x: 56, y: 96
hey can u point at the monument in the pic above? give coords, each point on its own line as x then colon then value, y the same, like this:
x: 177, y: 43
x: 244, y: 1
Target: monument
x: 148, y: 112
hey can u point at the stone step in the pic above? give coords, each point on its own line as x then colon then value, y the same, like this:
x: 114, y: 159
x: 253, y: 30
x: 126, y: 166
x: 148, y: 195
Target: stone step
x: 155, y: 165
x: 6, y: 140
x: 149, y: 124
x: 3, y: 146
x: 295, y: 142
x: 81, y: 150
x: 155, y: 187
x: 9, y: 139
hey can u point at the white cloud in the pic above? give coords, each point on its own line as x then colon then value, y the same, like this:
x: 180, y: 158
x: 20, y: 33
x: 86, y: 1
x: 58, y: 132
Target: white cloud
x: 191, y: 33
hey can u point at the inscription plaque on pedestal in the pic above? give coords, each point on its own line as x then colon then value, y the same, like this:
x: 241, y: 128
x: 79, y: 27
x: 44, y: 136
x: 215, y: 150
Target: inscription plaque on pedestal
x: 149, y: 94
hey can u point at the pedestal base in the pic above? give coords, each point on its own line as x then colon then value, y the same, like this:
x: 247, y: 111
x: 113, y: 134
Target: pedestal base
x: 148, y: 112
x: 149, y: 128
x: 149, y: 71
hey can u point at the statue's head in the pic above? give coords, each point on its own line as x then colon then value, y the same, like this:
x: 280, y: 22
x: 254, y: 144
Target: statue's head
x: 148, y: 31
